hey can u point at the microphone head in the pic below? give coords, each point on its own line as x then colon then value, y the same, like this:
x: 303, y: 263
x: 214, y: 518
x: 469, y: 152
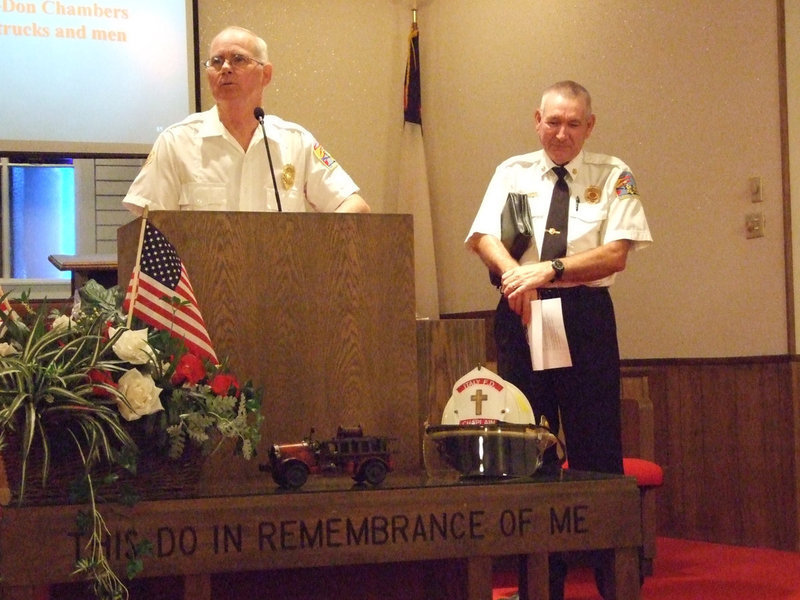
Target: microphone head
x: 258, y: 113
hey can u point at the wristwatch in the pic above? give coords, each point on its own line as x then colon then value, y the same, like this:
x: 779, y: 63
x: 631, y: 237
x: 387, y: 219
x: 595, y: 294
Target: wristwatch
x: 558, y: 267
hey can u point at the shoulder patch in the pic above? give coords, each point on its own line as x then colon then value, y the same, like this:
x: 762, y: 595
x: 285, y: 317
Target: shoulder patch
x: 323, y: 156
x: 626, y: 185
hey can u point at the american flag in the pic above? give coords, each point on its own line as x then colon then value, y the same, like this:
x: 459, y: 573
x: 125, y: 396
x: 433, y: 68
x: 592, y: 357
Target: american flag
x: 414, y: 192
x: 165, y: 298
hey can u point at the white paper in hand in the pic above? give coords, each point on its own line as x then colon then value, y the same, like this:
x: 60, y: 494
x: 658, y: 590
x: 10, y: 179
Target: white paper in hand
x: 547, y: 336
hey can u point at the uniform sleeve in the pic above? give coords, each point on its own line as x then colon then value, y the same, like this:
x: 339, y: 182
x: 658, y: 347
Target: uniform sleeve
x: 327, y: 183
x: 626, y: 218
x: 487, y: 220
x: 157, y: 185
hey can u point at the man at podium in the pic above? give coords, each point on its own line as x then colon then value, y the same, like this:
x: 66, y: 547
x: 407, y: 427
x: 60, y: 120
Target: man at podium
x: 219, y: 159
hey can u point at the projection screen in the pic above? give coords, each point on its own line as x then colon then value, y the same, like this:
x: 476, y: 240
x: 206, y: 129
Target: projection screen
x: 94, y: 77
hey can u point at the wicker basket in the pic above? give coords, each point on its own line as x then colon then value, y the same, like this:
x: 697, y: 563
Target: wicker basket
x: 158, y: 477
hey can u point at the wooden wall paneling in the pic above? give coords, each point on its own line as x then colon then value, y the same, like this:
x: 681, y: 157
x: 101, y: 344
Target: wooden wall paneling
x: 637, y: 415
x: 446, y: 350
x: 719, y: 482
x: 688, y: 478
x: 680, y: 472
x: 765, y: 442
x: 726, y: 437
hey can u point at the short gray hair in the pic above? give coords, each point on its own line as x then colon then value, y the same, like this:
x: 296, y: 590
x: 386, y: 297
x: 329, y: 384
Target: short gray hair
x: 259, y: 44
x: 570, y: 89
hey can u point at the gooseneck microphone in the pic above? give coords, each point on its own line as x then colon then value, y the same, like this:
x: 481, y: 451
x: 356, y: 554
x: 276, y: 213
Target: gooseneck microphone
x: 258, y: 113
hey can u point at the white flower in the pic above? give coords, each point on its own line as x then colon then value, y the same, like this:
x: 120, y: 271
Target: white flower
x: 62, y: 323
x: 132, y: 346
x: 7, y: 349
x: 141, y: 393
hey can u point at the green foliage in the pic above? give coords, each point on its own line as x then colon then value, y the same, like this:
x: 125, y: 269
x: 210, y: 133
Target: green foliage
x: 195, y: 413
x: 46, y: 389
x: 62, y: 392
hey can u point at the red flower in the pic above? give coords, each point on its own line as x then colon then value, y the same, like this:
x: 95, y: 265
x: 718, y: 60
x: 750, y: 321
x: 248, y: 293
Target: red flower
x: 189, y: 369
x: 225, y: 384
x: 98, y: 376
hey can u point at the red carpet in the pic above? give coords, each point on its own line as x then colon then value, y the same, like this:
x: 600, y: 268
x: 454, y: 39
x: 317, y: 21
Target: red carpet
x: 689, y: 570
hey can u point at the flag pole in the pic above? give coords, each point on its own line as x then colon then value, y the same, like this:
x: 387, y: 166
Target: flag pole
x: 135, y: 275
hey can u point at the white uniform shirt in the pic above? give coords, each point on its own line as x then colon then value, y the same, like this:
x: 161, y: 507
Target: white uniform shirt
x: 604, y: 203
x: 198, y: 165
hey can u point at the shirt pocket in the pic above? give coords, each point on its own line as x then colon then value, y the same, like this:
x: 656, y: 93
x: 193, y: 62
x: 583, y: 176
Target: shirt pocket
x: 203, y: 196
x: 292, y: 200
x: 586, y: 222
x: 538, y: 210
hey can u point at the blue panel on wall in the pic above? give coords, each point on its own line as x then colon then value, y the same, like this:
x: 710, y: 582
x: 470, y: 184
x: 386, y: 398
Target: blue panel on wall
x: 42, y: 211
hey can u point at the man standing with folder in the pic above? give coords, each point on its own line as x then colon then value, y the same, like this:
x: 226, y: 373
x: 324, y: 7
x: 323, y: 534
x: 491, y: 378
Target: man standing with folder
x: 587, y: 217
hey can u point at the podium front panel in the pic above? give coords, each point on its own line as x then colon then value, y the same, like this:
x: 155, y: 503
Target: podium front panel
x: 318, y: 309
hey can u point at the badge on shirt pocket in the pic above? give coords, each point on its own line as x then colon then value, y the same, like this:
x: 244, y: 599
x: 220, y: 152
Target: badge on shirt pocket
x: 592, y: 194
x: 287, y: 177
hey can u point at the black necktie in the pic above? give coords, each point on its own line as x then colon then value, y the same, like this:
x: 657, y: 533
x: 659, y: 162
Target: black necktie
x: 555, y: 235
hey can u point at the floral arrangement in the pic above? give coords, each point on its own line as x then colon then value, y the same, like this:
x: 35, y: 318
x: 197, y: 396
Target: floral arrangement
x: 82, y: 384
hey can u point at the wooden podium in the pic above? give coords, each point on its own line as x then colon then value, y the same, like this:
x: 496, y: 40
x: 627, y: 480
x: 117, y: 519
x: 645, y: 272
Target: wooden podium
x: 318, y: 309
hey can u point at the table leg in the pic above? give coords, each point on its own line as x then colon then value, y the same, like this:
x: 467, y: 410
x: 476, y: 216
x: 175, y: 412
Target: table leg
x: 534, y: 576
x: 479, y: 578
x: 625, y: 585
x: 197, y: 587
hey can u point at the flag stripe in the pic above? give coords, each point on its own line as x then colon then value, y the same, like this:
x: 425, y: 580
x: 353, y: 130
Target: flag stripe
x: 152, y: 295
x: 173, y: 321
x: 157, y: 292
x: 196, y: 346
x: 165, y: 298
x: 151, y: 308
x: 182, y: 319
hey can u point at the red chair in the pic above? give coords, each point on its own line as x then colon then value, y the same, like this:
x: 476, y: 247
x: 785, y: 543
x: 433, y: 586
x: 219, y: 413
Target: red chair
x: 649, y: 476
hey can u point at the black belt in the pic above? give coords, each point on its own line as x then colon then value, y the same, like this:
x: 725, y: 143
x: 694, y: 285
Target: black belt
x: 578, y: 291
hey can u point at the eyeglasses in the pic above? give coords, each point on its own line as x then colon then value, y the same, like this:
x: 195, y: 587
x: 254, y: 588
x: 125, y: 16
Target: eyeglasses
x: 236, y: 61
